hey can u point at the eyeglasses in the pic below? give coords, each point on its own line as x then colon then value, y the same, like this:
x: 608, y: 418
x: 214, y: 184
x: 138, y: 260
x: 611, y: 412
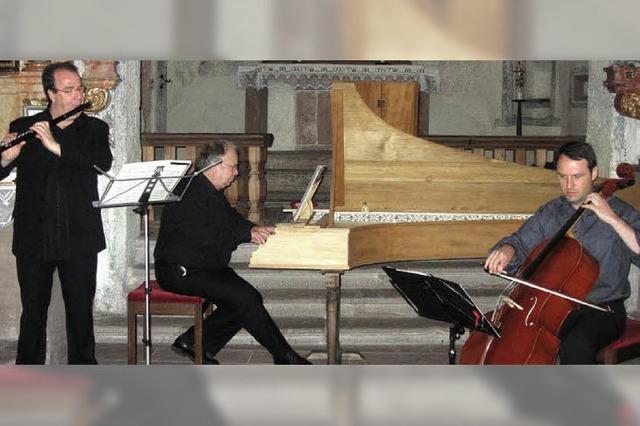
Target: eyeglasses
x: 67, y: 90
x: 230, y: 166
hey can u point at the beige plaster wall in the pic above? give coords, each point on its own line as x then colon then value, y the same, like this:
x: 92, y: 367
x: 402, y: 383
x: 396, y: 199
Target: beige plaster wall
x: 469, y: 99
x: 203, y: 96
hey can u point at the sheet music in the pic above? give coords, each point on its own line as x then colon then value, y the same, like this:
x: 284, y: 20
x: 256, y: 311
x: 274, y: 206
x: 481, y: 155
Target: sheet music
x: 131, y: 180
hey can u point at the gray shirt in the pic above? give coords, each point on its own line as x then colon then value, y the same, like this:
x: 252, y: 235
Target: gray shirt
x: 596, y: 236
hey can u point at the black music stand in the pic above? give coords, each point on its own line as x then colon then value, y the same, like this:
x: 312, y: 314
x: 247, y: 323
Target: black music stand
x: 136, y: 185
x: 438, y: 299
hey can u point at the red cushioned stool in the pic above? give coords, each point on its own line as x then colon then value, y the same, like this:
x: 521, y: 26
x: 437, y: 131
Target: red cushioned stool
x: 162, y: 302
x: 626, y: 347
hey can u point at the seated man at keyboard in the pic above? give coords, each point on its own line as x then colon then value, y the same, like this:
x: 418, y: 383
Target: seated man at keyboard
x: 196, y: 238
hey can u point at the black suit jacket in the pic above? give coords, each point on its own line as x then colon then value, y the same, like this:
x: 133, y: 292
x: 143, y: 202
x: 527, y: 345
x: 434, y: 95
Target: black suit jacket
x: 202, y: 230
x: 83, y: 143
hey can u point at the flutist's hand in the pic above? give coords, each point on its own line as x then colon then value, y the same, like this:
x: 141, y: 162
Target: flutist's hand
x: 43, y: 132
x: 10, y: 154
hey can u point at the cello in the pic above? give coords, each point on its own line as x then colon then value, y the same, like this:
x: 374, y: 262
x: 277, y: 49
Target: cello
x: 555, y: 277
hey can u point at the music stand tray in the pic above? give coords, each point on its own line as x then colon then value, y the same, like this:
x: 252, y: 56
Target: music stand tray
x: 441, y: 300
x: 304, y: 212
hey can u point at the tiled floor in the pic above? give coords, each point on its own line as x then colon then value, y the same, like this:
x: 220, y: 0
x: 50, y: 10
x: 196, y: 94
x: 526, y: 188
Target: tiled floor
x: 116, y: 353
x: 162, y: 354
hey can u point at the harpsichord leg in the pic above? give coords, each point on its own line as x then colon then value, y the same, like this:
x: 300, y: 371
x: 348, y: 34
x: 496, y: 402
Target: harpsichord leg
x: 332, y: 284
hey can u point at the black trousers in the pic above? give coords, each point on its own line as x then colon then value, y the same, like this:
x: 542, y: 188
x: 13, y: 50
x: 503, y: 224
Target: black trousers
x: 78, y: 283
x: 586, y: 331
x: 238, y: 305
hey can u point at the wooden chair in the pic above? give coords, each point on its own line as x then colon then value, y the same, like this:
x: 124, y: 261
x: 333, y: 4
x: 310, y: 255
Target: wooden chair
x: 162, y: 302
x: 626, y: 347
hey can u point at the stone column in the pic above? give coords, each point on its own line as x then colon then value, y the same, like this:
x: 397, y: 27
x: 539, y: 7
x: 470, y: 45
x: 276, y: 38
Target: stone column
x: 616, y: 139
x: 121, y: 225
x: 153, y: 77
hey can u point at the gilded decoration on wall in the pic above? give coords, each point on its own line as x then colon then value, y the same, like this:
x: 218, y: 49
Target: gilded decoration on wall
x: 624, y: 80
x: 100, y: 77
x: 98, y: 97
x: 628, y: 104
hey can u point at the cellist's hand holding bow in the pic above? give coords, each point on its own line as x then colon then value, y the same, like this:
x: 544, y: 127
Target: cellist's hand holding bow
x: 499, y: 259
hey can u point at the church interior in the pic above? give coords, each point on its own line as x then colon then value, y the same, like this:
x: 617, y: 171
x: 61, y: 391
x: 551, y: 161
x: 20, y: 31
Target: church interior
x: 428, y: 164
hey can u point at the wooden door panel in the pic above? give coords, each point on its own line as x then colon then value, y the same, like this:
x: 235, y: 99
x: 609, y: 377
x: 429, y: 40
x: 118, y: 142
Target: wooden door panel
x: 371, y: 92
x: 401, y: 106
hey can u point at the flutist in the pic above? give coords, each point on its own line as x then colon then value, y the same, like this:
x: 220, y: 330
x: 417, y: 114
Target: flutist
x: 55, y: 225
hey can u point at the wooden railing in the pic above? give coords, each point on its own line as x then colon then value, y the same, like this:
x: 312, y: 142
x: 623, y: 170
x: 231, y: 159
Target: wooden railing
x: 247, y: 194
x: 527, y: 150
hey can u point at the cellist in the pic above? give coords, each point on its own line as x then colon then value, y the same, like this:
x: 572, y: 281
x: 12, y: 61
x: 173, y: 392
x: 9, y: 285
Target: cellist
x: 609, y: 231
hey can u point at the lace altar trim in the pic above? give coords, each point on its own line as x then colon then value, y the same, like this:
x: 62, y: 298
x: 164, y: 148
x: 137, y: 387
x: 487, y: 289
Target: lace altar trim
x: 320, y: 76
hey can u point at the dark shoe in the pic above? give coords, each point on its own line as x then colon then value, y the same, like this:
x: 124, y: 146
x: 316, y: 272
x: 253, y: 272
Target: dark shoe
x: 182, y: 348
x: 291, y: 358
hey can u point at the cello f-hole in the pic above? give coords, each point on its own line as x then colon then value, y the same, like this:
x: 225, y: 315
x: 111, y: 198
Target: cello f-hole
x: 534, y: 299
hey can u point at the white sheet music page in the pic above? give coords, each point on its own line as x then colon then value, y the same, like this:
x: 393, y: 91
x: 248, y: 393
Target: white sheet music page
x: 132, y: 179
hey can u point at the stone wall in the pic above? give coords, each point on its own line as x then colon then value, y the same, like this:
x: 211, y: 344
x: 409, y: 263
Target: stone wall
x: 203, y: 97
x: 474, y: 98
x: 572, y: 112
x: 616, y: 139
x: 468, y: 100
